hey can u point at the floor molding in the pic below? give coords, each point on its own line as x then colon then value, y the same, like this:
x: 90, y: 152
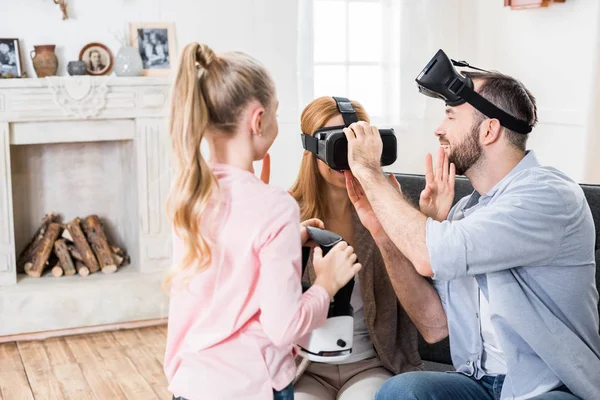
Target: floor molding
x: 82, y: 330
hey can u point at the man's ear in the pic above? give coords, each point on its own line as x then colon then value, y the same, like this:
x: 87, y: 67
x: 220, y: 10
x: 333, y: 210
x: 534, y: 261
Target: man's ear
x: 492, y: 131
x: 257, y: 117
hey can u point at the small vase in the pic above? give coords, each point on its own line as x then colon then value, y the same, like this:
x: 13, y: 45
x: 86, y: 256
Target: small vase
x: 76, y: 68
x: 45, y: 61
x: 128, y: 62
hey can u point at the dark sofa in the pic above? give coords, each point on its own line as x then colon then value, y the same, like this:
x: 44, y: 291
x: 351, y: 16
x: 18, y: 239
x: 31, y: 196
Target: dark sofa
x: 437, y: 356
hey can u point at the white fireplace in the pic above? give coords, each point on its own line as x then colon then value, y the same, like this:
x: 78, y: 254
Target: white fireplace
x: 79, y: 146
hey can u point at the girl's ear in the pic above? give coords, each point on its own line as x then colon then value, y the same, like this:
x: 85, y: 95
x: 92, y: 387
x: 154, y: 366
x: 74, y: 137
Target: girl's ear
x: 257, y: 120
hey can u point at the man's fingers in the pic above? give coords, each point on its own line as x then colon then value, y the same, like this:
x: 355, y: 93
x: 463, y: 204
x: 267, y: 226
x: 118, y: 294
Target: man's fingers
x: 265, y: 172
x: 452, y: 176
x: 426, y: 193
x: 358, y: 129
x: 350, y: 136
x: 439, y: 163
x: 445, y: 168
x: 374, y: 131
x: 428, y: 168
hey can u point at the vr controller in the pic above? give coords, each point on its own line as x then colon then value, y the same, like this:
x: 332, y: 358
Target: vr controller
x: 331, y: 146
x: 333, y: 341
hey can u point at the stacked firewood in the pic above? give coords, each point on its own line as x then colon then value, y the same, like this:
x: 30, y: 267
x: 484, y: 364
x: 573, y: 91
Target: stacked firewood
x: 78, y: 247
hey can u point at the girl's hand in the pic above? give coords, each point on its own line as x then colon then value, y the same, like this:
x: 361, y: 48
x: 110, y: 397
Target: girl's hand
x: 336, y: 268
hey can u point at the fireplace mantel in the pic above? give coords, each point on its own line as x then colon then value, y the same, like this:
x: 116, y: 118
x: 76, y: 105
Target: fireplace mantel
x: 88, y: 109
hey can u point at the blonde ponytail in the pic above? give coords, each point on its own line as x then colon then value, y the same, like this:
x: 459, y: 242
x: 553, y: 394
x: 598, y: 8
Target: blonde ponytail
x: 194, y: 181
x: 208, y: 92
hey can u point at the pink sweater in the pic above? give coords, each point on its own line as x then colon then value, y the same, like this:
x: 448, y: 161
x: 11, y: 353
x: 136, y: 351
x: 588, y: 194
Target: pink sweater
x: 231, y: 333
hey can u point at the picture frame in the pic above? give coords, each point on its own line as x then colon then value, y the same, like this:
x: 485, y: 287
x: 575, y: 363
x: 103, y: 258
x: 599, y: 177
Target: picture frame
x: 98, y: 58
x: 525, y: 4
x: 11, y: 65
x: 156, y: 45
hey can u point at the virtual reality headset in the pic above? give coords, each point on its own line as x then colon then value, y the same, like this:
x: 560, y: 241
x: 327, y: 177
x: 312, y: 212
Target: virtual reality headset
x: 331, y: 146
x: 440, y: 80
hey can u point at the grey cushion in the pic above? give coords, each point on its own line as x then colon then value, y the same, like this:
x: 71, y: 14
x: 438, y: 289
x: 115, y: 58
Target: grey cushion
x: 412, y: 185
x: 592, y: 194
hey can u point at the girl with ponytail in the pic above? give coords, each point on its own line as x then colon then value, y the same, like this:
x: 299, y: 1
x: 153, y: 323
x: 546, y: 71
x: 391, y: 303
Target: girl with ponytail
x: 236, y: 305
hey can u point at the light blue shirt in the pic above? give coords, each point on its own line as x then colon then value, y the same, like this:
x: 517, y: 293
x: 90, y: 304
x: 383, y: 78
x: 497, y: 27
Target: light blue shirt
x: 529, y: 245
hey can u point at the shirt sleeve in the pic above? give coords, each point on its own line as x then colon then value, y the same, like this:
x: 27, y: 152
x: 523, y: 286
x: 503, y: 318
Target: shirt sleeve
x: 286, y: 313
x: 523, y: 227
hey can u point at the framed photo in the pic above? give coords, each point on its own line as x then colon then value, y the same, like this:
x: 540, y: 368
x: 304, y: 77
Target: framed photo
x: 10, y: 59
x: 98, y: 59
x: 156, y: 45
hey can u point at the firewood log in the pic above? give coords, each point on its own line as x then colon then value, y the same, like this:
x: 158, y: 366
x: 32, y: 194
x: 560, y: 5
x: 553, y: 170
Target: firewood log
x: 74, y: 252
x: 32, y: 247
x: 40, y: 258
x: 118, y: 260
x: 82, y: 246
x: 81, y: 268
x: 62, y: 252
x: 117, y: 250
x: 95, y: 234
x: 57, y: 270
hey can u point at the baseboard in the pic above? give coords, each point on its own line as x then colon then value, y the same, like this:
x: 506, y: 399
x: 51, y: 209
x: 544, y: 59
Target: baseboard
x: 82, y: 330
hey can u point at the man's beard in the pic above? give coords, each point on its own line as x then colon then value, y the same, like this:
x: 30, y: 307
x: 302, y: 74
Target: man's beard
x: 468, y: 152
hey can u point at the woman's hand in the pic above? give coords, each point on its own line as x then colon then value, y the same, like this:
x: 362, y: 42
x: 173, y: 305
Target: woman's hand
x: 335, y: 269
x: 314, y: 222
x: 361, y: 203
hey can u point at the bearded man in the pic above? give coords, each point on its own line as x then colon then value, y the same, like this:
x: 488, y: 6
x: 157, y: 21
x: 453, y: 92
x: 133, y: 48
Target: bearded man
x: 512, y: 264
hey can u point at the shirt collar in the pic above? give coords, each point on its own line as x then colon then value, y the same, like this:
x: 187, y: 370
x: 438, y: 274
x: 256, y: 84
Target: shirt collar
x: 529, y: 161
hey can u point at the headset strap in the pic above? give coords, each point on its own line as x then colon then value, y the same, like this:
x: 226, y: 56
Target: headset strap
x: 346, y: 109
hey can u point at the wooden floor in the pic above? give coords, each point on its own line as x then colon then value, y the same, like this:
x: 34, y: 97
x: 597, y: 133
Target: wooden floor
x: 124, y: 364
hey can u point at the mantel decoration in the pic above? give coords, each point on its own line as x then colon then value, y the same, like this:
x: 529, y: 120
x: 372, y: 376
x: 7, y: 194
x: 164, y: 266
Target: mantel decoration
x: 63, y: 7
x: 155, y: 42
x: 98, y: 58
x: 10, y: 59
x: 525, y: 4
x: 128, y: 61
x: 44, y: 60
x: 79, y: 96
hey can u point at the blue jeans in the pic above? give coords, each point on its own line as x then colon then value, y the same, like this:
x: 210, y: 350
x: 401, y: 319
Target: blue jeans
x: 285, y: 394
x: 450, y: 386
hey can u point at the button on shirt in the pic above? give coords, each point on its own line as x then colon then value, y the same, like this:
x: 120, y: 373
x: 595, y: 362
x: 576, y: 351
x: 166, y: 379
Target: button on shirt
x: 529, y: 244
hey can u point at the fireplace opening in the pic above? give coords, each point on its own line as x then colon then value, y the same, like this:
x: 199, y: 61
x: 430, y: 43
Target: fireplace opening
x: 79, y: 201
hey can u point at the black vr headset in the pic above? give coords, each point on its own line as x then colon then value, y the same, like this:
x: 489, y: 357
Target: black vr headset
x: 331, y: 146
x: 440, y: 80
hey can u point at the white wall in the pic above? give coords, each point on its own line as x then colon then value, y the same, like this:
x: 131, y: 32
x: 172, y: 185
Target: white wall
x: 554, y: 51
x: 264, y: 28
